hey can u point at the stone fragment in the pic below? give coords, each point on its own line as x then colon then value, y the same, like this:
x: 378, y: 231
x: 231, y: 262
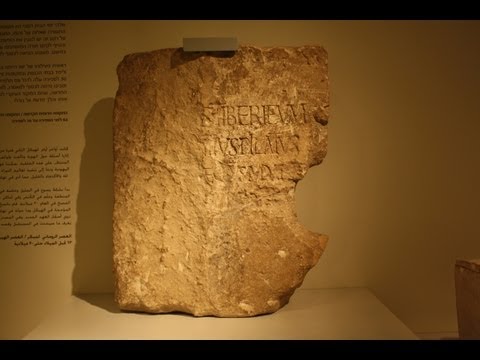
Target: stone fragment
x: 467, y: 286
x: 208, y: 148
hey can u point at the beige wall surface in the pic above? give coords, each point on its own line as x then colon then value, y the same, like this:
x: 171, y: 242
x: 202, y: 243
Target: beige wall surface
x: 397, y: 193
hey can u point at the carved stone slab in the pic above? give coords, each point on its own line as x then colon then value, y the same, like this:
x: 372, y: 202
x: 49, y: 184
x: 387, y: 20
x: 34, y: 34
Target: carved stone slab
x: 208, y: 148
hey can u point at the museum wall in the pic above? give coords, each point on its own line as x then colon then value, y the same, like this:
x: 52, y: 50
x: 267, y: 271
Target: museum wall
x: 397, y: 193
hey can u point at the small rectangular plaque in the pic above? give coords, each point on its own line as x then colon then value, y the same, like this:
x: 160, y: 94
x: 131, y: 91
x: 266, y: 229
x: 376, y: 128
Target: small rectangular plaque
x: 210, y: 44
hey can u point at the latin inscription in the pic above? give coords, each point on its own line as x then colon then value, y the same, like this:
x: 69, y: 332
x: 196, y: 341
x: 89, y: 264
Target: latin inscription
x: 253, y: 115
x: 247, y: 131
x: 253, y: 172
x: 250, y: 144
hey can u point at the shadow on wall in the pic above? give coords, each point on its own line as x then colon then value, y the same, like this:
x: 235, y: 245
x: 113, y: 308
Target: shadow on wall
x: 93, y: 247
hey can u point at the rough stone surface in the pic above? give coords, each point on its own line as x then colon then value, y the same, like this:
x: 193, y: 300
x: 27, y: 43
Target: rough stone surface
x: 467, y: 285
x: 208, y: 149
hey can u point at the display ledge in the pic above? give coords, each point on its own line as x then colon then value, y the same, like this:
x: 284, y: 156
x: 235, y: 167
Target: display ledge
x: 349, y: 313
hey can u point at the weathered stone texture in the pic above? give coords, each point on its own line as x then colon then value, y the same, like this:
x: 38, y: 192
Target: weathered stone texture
x: 467, y: 287
x: 208, y: 149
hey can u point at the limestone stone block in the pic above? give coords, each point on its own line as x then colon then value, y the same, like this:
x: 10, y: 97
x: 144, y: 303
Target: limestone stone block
x: 208, y: 149
x: 467, y: 286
